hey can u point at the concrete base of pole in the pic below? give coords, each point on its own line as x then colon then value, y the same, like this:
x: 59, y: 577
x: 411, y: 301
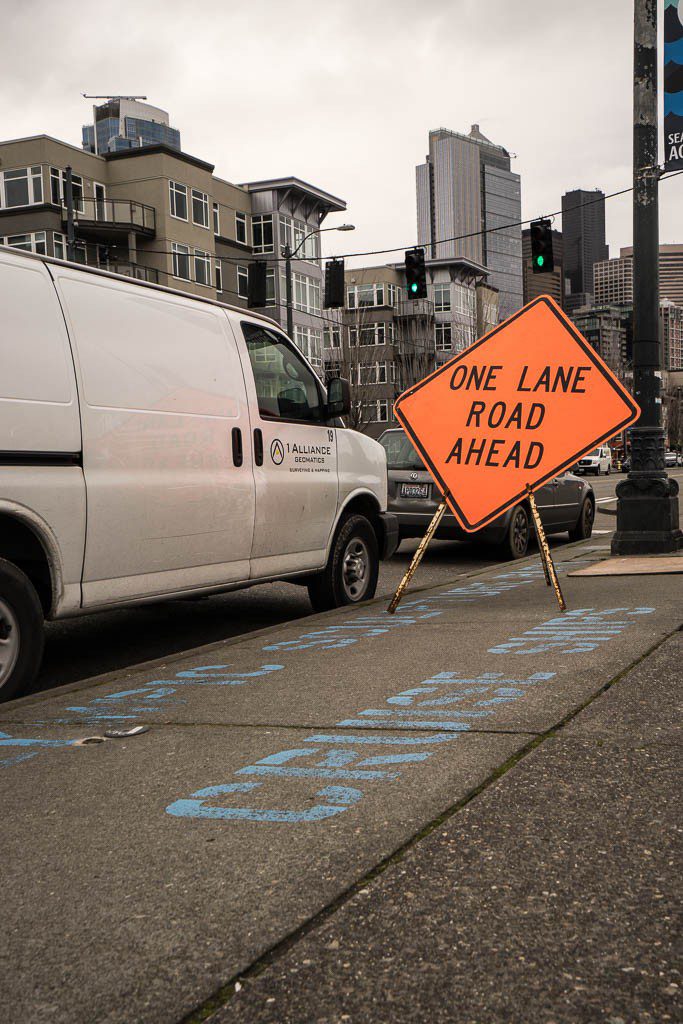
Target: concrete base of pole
x: 647, y: 516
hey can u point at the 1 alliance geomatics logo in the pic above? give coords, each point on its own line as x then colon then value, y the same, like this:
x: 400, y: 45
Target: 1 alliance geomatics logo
x: 277, y: 451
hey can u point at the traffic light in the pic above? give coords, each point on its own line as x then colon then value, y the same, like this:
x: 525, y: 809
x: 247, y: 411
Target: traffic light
x: 256, y: 285
x: 541, y: 247
x: 334, y: 284
x: 416, y: 276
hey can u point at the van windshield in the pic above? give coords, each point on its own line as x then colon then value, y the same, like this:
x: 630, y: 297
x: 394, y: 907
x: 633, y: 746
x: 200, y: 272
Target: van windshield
x: 400, y: 452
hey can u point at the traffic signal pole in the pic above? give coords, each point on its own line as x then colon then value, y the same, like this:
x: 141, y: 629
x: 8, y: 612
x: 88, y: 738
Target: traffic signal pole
x: 647, y: 505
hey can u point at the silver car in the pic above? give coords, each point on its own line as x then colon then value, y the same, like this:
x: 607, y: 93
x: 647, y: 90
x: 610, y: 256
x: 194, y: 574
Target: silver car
x: 566, y: 504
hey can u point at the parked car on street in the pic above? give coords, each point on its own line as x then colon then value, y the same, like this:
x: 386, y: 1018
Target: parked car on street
x: 598, y: 461
x: 670, y: 459
x: 155, y: 444
x: 566, y: 504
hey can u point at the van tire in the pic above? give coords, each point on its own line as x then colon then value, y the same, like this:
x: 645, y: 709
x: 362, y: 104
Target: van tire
x: 352, y: 569
x: 21, y: 631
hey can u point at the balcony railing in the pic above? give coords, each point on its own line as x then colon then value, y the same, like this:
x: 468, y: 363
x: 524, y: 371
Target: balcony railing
x: 106, y: 216
x: 415, y: 307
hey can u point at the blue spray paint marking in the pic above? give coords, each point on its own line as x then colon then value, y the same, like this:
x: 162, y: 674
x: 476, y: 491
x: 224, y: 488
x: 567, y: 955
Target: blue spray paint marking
x: 576, y: 632
x: 338, y: 799
x: 15, y: 741
x: 347, y: 759
x: 128, y: 705
x: 435, y: 704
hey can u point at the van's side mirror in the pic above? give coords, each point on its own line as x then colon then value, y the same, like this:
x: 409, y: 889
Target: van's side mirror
x: 338, y: 397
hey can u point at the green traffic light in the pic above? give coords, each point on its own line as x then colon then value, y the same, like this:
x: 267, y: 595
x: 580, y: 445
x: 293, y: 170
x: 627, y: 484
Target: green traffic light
x: 540, y: 260
x: 413, y: 286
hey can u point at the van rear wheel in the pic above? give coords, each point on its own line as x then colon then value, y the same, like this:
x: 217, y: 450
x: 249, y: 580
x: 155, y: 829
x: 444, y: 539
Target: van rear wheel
x: 350, y: 575
x: 21, y: 631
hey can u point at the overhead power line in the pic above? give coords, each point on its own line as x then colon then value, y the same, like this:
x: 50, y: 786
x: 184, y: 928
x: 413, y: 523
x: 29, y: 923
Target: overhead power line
x: 400, y: 248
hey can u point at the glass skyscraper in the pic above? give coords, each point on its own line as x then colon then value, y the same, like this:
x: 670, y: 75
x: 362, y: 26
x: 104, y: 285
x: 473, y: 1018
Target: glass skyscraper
x: 466, y: 188
x: 121, y: 123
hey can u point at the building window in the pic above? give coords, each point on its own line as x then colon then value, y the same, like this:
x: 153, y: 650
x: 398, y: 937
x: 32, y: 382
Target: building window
x: 464, y: 300
x: 58, y: 188
x: 375, y: 373
x: 59, y: 248
x: 309, y: 341
x: 270, y: 287
x: 33, y: 242
x: 372, y: 334
x: 332, y: 336
x: 178, y: 194
x: 442, y: 298
x: 393, y: 294
x: 376, y: 412
x: 241, y: 227
x: 444, y: 337
x: 202, y: 267
x: 219, y: 276
x: 306, y: 293
x: 200, y: 208
x: 243, y: 282
x: 23, y: 187
x: 59, y: 245
x: 181, y: 261
x: 361, y: 295
x: 262, y: 231
x: 216, y: 220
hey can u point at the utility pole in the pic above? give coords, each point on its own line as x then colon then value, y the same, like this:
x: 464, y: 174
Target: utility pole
x: 647, y: 506
x: 69, y: 200
x: 287, y: 253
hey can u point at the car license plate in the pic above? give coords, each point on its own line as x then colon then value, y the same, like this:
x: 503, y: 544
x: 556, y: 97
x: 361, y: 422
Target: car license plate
x: 415, y: 490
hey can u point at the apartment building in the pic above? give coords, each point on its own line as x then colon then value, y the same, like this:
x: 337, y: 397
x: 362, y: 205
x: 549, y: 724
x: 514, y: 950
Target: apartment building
x: 671, y: 335
x: 608, y: 329
x: 613, y: 279
x: 383, y: 342
x: 161, y: 215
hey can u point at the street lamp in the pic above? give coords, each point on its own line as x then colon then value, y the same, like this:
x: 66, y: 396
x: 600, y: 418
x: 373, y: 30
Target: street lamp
x: 289, y: 256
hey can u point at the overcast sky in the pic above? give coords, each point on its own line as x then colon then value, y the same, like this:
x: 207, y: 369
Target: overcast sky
x: 343, y: 94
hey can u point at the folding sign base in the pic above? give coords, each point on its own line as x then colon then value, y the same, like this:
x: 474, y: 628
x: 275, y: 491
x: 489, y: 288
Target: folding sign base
x: 546, y: 557
x: 417, y: 557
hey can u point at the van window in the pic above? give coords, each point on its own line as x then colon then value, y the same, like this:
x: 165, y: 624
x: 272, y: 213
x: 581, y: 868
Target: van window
x: 286, y: 388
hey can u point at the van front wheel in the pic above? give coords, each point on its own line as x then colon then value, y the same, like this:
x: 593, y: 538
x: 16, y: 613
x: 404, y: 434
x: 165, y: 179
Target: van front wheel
x: 350, y: 575
x: 21, y: 631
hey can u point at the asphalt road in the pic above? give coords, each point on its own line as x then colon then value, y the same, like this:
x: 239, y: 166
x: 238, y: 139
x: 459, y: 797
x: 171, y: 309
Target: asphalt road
x: 77, y: 649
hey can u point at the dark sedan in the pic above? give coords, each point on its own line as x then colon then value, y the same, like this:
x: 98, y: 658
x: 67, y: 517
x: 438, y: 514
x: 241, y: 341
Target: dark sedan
x: 566, y: 504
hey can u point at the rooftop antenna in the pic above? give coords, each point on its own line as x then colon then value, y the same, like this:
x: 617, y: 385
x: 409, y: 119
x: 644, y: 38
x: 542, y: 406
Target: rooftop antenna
x: 87, y: 96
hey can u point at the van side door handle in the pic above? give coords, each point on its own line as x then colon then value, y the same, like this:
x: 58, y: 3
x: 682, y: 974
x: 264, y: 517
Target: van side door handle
x: 237, y: 453
x: 258, y: 447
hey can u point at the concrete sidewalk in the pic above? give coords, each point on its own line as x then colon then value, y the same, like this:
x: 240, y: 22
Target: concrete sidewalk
x: 144, y: 877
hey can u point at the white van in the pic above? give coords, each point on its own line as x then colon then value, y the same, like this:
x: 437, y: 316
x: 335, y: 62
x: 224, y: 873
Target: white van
x: 157, y: 444
x: 598, y: 461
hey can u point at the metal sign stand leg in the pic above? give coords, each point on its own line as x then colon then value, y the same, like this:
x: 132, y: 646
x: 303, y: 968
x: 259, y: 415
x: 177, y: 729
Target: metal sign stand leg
x: 417, y: 557
x: 546, y: 557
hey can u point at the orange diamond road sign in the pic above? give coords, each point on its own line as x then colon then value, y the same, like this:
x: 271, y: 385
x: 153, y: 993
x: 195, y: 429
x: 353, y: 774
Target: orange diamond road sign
x: 522, y: 404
